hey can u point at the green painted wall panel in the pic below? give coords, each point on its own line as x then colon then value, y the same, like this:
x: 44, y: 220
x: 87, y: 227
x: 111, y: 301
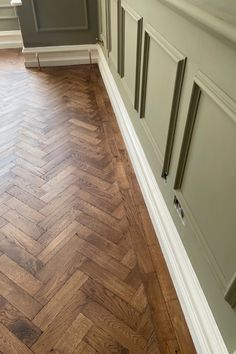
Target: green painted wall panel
x: 53, y: 23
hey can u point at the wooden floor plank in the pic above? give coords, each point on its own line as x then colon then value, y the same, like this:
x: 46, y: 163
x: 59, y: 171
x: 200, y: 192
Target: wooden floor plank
x: 18, y: 297
x: 61, y: 323
x: 74, y: 335
x: 112, y: 303
x: 63, y: 296
x: 22, y: 239
x: 103, y: 342
x: 10, y: 344
x: 108, y: 280
x: 19, y: 275
x: 17, y: 323
x: 120, y: 331
x: 20, y: 255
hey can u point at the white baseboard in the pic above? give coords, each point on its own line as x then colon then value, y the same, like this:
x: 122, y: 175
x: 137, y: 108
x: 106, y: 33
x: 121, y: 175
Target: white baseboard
x: 205, y: 333
x: 10, y: 39
x: 60, y: 55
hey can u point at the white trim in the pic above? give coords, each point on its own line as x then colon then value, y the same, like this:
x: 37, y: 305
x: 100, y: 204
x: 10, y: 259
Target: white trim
x: 202, y: 325
x: 135, y: 16
x: 10, y: 39
x: 16, y: 3
x: 60, y: 55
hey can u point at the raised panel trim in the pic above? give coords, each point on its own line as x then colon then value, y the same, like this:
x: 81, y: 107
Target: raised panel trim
x: 222, y: 100
x: 173, y: 52
x: 125, y: 8
x: 173, y: 116
x: 114, y: 40
x: 180, y: 60
x: 138, y: 63
x: 225, y: 102
x: 122, y: 48
x: 56, y: 29
x: 119, y: 29
x: 136, y: 17
x: 202, y: 84
x: 230, y: 295
x: 108, y: 25
x: 192, y: 113
x: 145, y: 74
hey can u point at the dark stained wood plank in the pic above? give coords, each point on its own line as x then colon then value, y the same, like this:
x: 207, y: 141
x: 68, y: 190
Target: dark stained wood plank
x: 10, y: 344
x: 18, y: 297
x: 62, y: 297
x: 107, y: 279
x: 74, y: 335
x: 19, y: 275
x: 60, y: 276
x: 61, y: 323
x: 117, y: 329
x: 85, y: 348
x: 26, y: 198
x: 102, y: 342
x: 17, y: 323
x: 20, y: 255
x: 112, y: 303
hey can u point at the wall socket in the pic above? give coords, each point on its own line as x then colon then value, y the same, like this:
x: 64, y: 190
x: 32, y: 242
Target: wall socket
x: 179, y: 209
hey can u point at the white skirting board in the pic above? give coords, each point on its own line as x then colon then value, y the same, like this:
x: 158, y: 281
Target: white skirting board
x: 10, y: 39
x: 205, y: 333
x: 60, y: 55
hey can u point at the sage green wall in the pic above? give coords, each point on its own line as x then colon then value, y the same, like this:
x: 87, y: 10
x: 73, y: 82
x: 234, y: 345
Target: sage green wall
x: 53, y: 22
x: 8, y: 17
x: 192, y: 111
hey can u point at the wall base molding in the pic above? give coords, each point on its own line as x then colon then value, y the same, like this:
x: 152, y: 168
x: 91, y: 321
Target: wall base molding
x: 10, y: 39
x: 60, y: 55
x: 205, y: 333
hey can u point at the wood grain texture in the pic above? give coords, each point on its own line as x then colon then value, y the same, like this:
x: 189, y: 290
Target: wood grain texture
x: 81, y: 270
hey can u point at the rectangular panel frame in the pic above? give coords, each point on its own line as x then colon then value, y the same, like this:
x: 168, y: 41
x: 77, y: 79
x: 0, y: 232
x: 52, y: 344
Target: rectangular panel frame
x: 125, y: 8
x: 180, y: 60
x: 56, y: 29
x: 202, y: 84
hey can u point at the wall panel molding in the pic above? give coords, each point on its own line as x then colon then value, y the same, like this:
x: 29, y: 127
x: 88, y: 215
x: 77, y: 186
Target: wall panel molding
x: 39, y: 28
x: 202, y: 85
x: 145, y: 74
x: 108, y: 26
x: 127, y: 13
x: 230, y: 295
x: 138, y: 63
x: 122, y: 41
x: 119, y: 29
x: 174, y: 116
x: 192, y: 113
x: 180, y: 62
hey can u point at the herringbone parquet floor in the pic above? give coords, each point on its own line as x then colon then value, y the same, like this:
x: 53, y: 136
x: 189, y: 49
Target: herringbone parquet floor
x: 81, y: 270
